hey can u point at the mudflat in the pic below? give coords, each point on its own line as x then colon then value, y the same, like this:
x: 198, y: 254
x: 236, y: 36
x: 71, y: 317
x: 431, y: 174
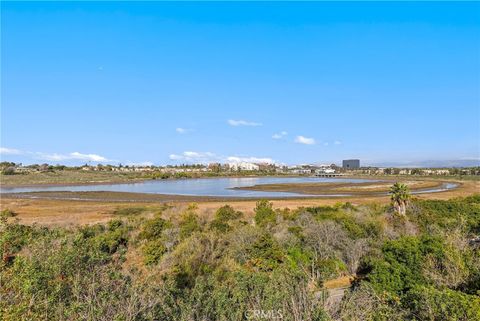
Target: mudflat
x: 366, y: 188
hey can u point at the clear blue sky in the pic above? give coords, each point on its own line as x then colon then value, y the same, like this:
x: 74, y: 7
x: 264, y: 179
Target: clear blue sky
x: 159, y: 82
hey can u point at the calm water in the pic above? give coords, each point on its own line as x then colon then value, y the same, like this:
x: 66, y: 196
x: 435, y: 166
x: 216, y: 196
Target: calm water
x: 220, y: 187
x: 196, y: 187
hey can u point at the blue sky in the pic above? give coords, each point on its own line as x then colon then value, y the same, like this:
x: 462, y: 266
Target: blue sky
x: 196, y: 82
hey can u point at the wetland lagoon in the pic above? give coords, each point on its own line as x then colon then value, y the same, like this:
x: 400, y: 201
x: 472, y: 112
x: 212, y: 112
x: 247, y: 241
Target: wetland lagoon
x: 243, y: 187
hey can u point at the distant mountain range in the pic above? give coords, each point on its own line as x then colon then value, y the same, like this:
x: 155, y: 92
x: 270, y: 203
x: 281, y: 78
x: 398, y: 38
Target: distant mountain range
x: 430, y: 163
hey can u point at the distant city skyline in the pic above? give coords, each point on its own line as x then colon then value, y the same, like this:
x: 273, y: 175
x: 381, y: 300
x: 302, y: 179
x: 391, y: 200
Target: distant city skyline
x: 393, y: 84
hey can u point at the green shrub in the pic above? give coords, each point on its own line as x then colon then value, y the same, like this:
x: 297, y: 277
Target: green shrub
x: 428, y: 303
x: 448, y: 213
x: 298, y: 257
x: 227, y: 213
x: 189, y: 224
x: 113, y: 238
x: 401, y: 266
x: 153, y: 228
x: 264, y: 214
x: 330, y: 268
x: 153, y: 251
x: 265, y: 254
x: 220, y: 226
x: 13, y: 237
x: 224, y: 215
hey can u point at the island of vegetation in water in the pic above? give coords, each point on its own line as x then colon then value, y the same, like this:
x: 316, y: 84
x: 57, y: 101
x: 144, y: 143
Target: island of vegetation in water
x: 412, y: 260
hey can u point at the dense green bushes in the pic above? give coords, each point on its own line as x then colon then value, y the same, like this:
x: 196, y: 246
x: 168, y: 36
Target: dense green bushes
x: 152, y: 266
x: 429, y: 303
x: 448, y: 214
x: 223, y: 216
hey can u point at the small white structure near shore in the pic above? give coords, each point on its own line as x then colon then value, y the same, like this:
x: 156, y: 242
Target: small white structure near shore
x: 325, y: 169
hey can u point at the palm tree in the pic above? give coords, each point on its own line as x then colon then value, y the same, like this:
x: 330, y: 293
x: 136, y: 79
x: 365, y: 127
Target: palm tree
x: 400, y: 194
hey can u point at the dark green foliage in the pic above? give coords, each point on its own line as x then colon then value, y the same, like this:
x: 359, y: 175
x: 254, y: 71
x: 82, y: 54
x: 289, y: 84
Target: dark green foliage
x: 472, y: 285
x: 348, y: 206
x: 264, y: 214
x: 448, y: 214
x: 219, y: 226
x: 153, y: 229
x: 153, y: 251
x: 297, y: 257
x: 330, y: 268
x: 400, y: 268
x: 236, y: 296
x: 227, y: 213
x: 265, y: 254
x: 428, y: 303
x: 223, y: 216
x: 114, y: 237
x: 189, y: 224
x: 323, y: 211
x: 152, y: 234
x: 13, y: 237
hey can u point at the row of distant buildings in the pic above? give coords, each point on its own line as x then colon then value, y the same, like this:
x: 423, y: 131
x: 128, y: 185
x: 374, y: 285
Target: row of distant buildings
x: 348, y: 166
x: 185, y: 168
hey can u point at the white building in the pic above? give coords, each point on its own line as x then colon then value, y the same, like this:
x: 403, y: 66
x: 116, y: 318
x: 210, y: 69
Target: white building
x: 324, y: 169
x: 244, y: 166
